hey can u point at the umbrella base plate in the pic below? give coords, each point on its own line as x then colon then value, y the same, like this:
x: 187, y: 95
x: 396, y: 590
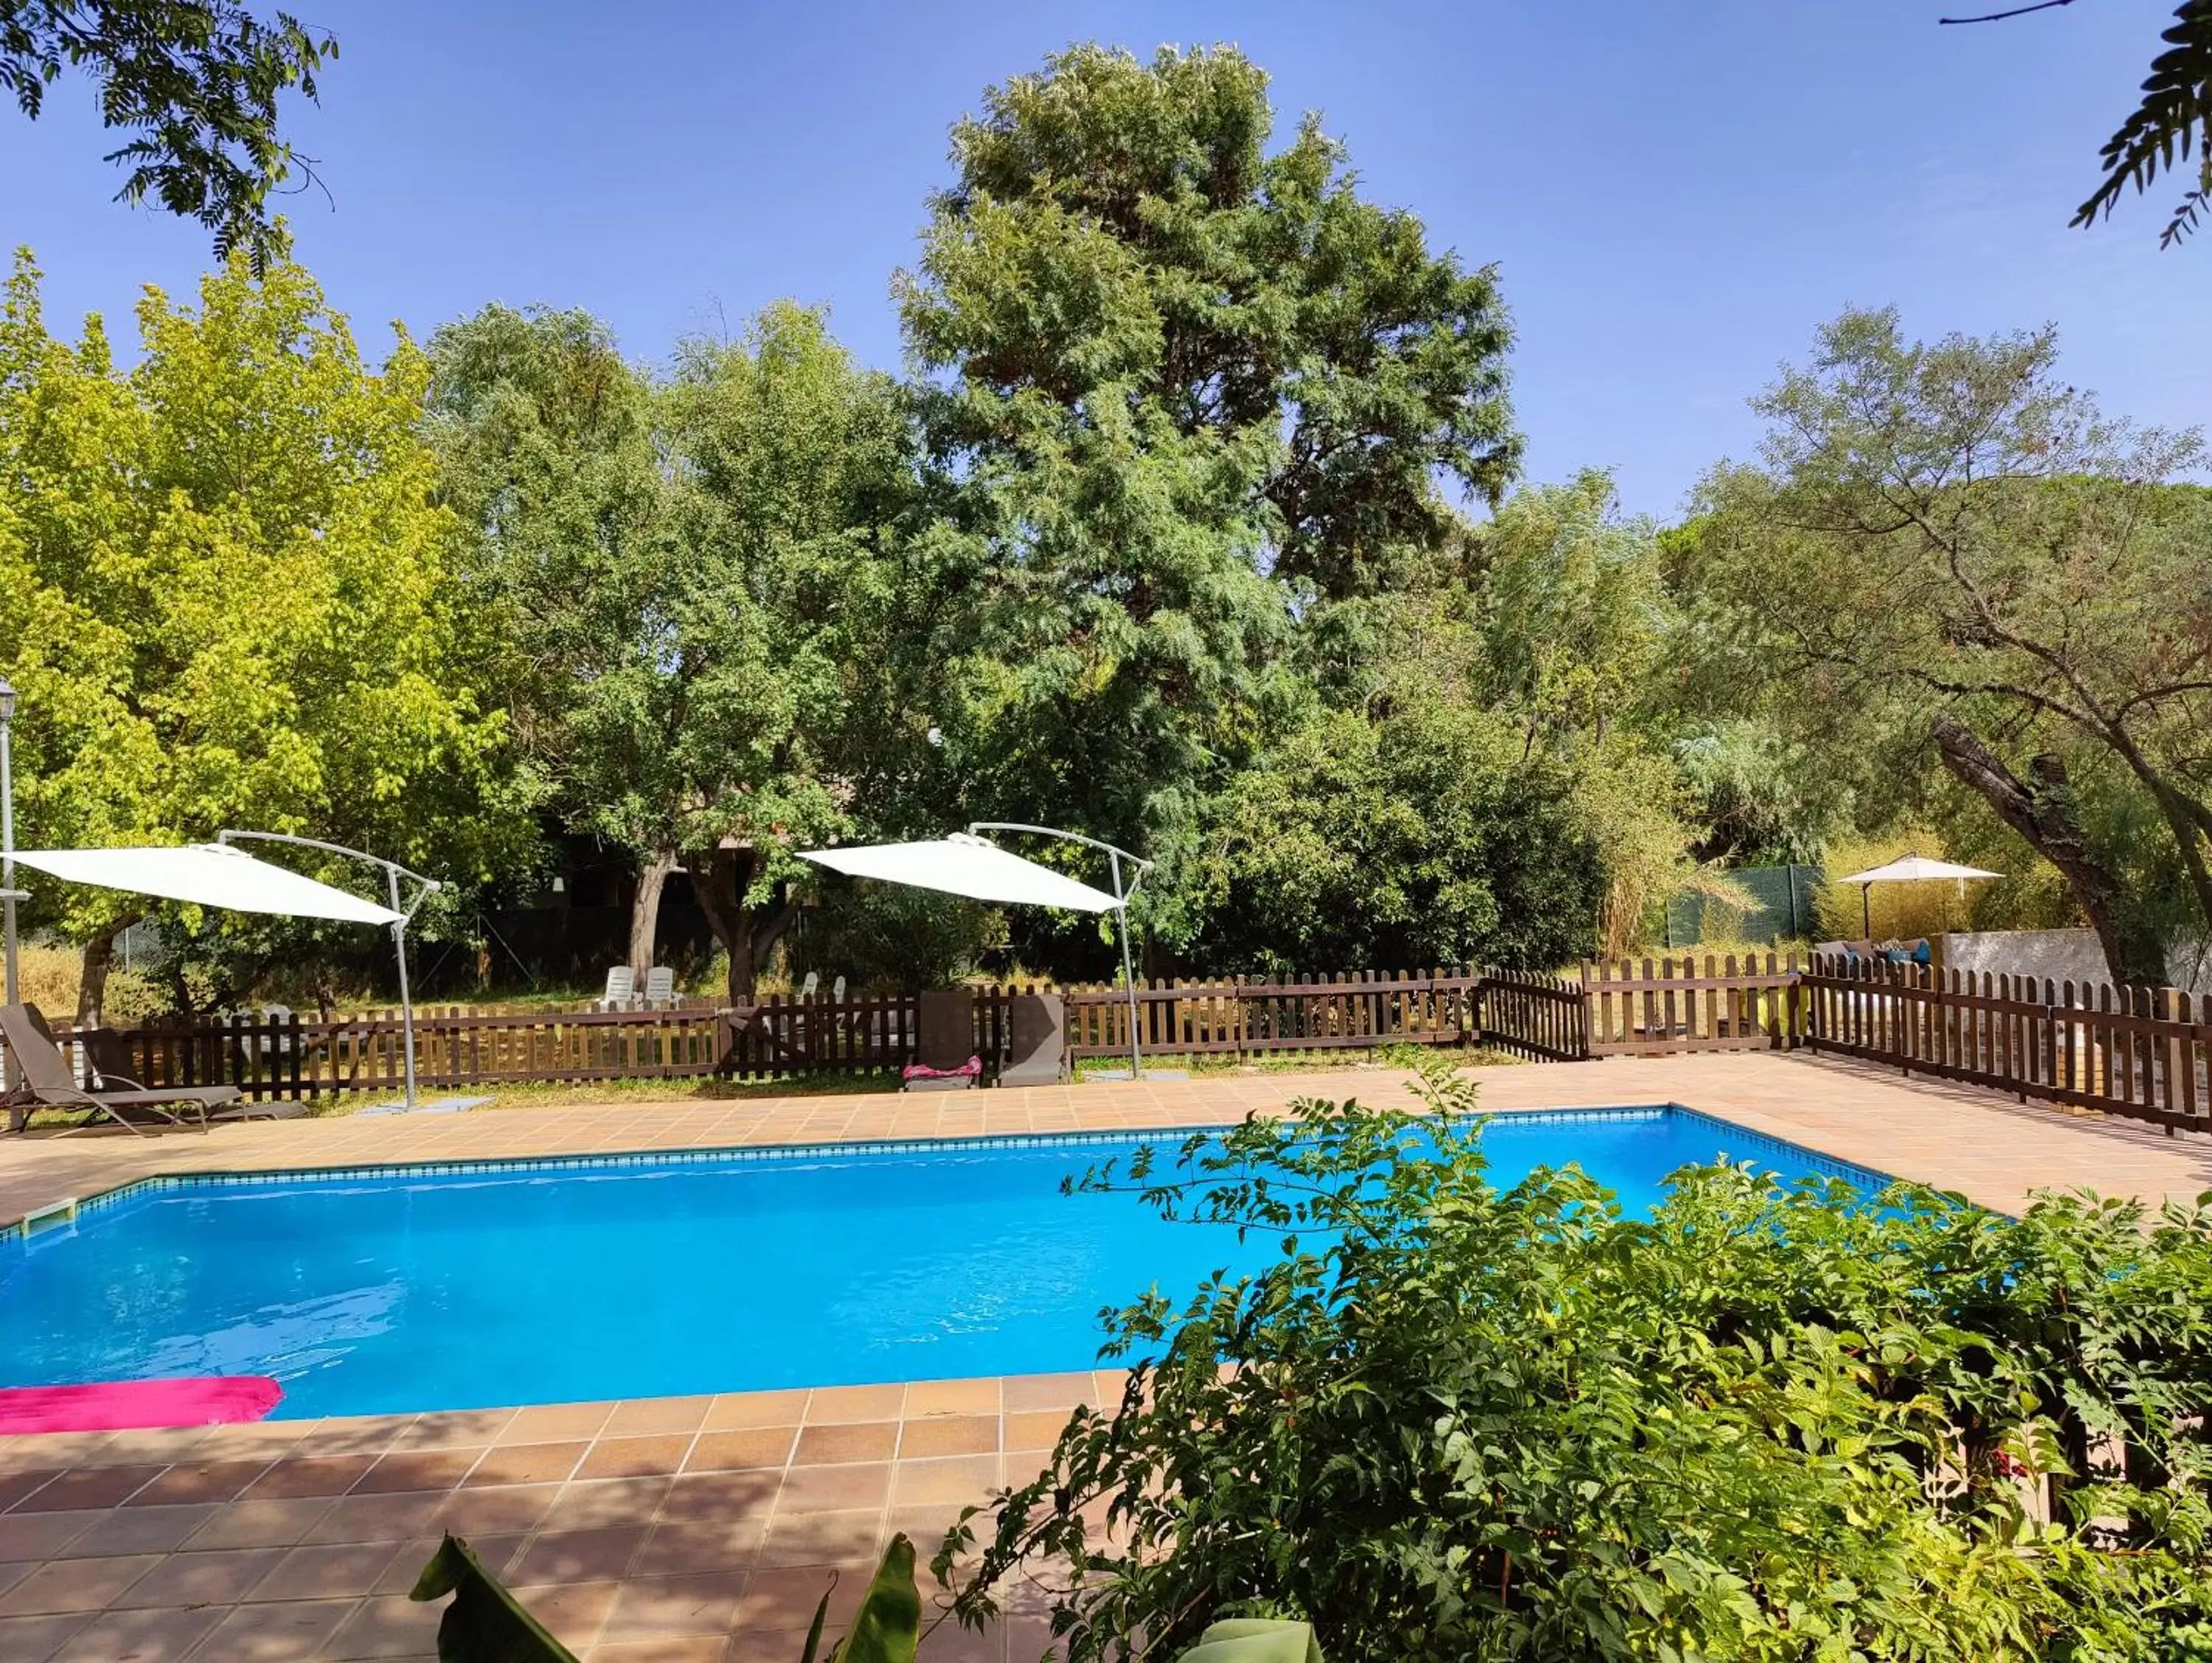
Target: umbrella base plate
x: 435, y: 1106
x: 1123, y: 1074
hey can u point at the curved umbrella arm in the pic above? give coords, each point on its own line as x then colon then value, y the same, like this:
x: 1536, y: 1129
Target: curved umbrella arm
x: 1114, y: 857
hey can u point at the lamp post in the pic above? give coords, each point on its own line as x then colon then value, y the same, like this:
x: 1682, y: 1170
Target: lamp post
x: 8, y: 830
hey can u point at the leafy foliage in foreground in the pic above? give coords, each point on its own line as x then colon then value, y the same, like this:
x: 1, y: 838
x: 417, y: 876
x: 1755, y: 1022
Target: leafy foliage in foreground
x: 2175, y: 113
x: 1457, y: 1420
x: 196, y: 80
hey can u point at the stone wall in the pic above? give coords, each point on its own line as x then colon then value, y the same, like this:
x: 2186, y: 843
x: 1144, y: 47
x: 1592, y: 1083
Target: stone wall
x: 2058, y: 956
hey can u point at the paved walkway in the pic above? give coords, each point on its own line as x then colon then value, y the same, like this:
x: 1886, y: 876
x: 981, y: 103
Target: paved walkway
x: 699, y: 1530
x: 1963, y: 1139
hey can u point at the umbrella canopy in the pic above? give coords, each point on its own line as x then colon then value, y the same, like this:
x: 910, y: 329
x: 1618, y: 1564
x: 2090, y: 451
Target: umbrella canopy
x: 965, y: 865
x: 208, y: 875
x: 1915, y: 868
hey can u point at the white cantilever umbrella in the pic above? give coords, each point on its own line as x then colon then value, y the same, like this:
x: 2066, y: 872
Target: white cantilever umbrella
x: 218, y: 875
x: 966, y: 864
x: 1906, y: 869
x: 209, y: 875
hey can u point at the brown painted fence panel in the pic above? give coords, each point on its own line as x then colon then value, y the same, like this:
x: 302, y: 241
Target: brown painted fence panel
x: 2140, y: 1053
x: 1527, y: 1014
x: 1241, y: 1016
x: 1637, y: 1010
x: 458, y: 1048
x: 2145, y: 1053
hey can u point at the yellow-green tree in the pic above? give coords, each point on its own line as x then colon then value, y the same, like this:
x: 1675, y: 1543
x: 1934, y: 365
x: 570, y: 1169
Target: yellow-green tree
x: 224, y: 595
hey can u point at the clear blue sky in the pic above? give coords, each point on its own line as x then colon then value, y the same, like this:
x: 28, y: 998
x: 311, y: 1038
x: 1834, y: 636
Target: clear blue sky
x: 1677, y: 194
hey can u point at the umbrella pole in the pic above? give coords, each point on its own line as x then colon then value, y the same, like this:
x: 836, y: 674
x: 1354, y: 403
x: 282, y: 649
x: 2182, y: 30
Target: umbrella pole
x: 406, y: 1000
x: 393, y: 871
x: 1128, y: 975
x: 1866, y: 911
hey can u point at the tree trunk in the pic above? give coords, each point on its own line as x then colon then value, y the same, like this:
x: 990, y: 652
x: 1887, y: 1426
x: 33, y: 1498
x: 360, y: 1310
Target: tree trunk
x: 719, y: 878
x: 645, y: 909
x: 99, y: 958
x: 2040, y: 812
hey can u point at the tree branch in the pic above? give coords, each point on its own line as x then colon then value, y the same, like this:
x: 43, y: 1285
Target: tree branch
x: 2000, y: 16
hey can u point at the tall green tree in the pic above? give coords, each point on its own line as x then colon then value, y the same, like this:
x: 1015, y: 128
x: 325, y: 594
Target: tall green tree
x: 682, y: 576
x: 197, y: 81
x: 794, y: 470
x: 1948, y: 540
x: 1553, y: 619
x: 1186, y: 385
x: 224, y: 594
x: 548, y: 453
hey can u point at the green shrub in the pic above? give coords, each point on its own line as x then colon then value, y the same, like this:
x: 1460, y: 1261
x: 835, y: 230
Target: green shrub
x: 1455, y: 1421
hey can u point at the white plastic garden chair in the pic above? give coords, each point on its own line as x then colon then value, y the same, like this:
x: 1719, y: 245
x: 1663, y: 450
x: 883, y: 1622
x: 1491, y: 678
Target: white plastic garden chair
x: 621, y: 989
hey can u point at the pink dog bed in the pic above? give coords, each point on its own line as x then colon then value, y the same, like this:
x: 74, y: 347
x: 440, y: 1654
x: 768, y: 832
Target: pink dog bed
x: 114, y: 1405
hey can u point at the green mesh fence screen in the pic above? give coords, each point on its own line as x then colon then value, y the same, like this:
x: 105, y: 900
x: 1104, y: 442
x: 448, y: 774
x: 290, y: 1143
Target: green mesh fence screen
x: 1783, y: 911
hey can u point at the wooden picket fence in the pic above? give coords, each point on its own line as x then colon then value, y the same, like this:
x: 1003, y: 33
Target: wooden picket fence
x: 1640, y: 1009
x: 2139, y: 1052
x: 1241, y: 1015
x: 1527, y: 1014
x: 295, y: 1057
x: 460, y: 1048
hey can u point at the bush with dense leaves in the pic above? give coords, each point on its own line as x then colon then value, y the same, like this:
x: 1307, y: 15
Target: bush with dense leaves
x: 1428, y: 837
x: 1461, y: 1421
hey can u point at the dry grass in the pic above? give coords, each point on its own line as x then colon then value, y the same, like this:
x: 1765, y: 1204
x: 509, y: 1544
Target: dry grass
x: 583, y: 1093
x: 1389, y: 1060
x: 50, y: 978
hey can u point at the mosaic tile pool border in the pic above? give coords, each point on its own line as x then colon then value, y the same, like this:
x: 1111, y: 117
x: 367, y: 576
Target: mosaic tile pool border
x: 1744, y: 1142
x: 1761, y: 1143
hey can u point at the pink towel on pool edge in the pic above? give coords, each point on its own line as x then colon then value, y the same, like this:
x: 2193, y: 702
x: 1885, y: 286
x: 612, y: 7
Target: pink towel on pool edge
x: 967, y: 1070
x: 114, y: 1405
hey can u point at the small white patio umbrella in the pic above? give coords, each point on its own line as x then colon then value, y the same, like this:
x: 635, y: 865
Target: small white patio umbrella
x: 963, y: 864
x: 218, y: 875
x: 1906, y: 869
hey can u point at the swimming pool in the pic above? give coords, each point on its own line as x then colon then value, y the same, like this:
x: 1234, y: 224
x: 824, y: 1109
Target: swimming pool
x: 389, y: 1289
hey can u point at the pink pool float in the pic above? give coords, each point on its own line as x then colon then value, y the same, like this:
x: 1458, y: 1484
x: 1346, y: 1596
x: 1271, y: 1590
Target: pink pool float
x: 118, y: 1405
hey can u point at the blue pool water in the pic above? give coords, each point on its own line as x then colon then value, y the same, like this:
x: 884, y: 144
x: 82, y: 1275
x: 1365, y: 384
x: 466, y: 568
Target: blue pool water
x: 424, y: 1289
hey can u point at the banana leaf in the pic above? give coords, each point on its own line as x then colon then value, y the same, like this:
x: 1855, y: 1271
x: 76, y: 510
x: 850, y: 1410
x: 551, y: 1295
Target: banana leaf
x: 888, y: 1626
x: 1256, y: 1639
x: 484, y: 1623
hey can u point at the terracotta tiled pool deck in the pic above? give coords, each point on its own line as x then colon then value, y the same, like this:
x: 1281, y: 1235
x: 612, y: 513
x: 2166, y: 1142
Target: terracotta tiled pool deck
x: 684, y: 1530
